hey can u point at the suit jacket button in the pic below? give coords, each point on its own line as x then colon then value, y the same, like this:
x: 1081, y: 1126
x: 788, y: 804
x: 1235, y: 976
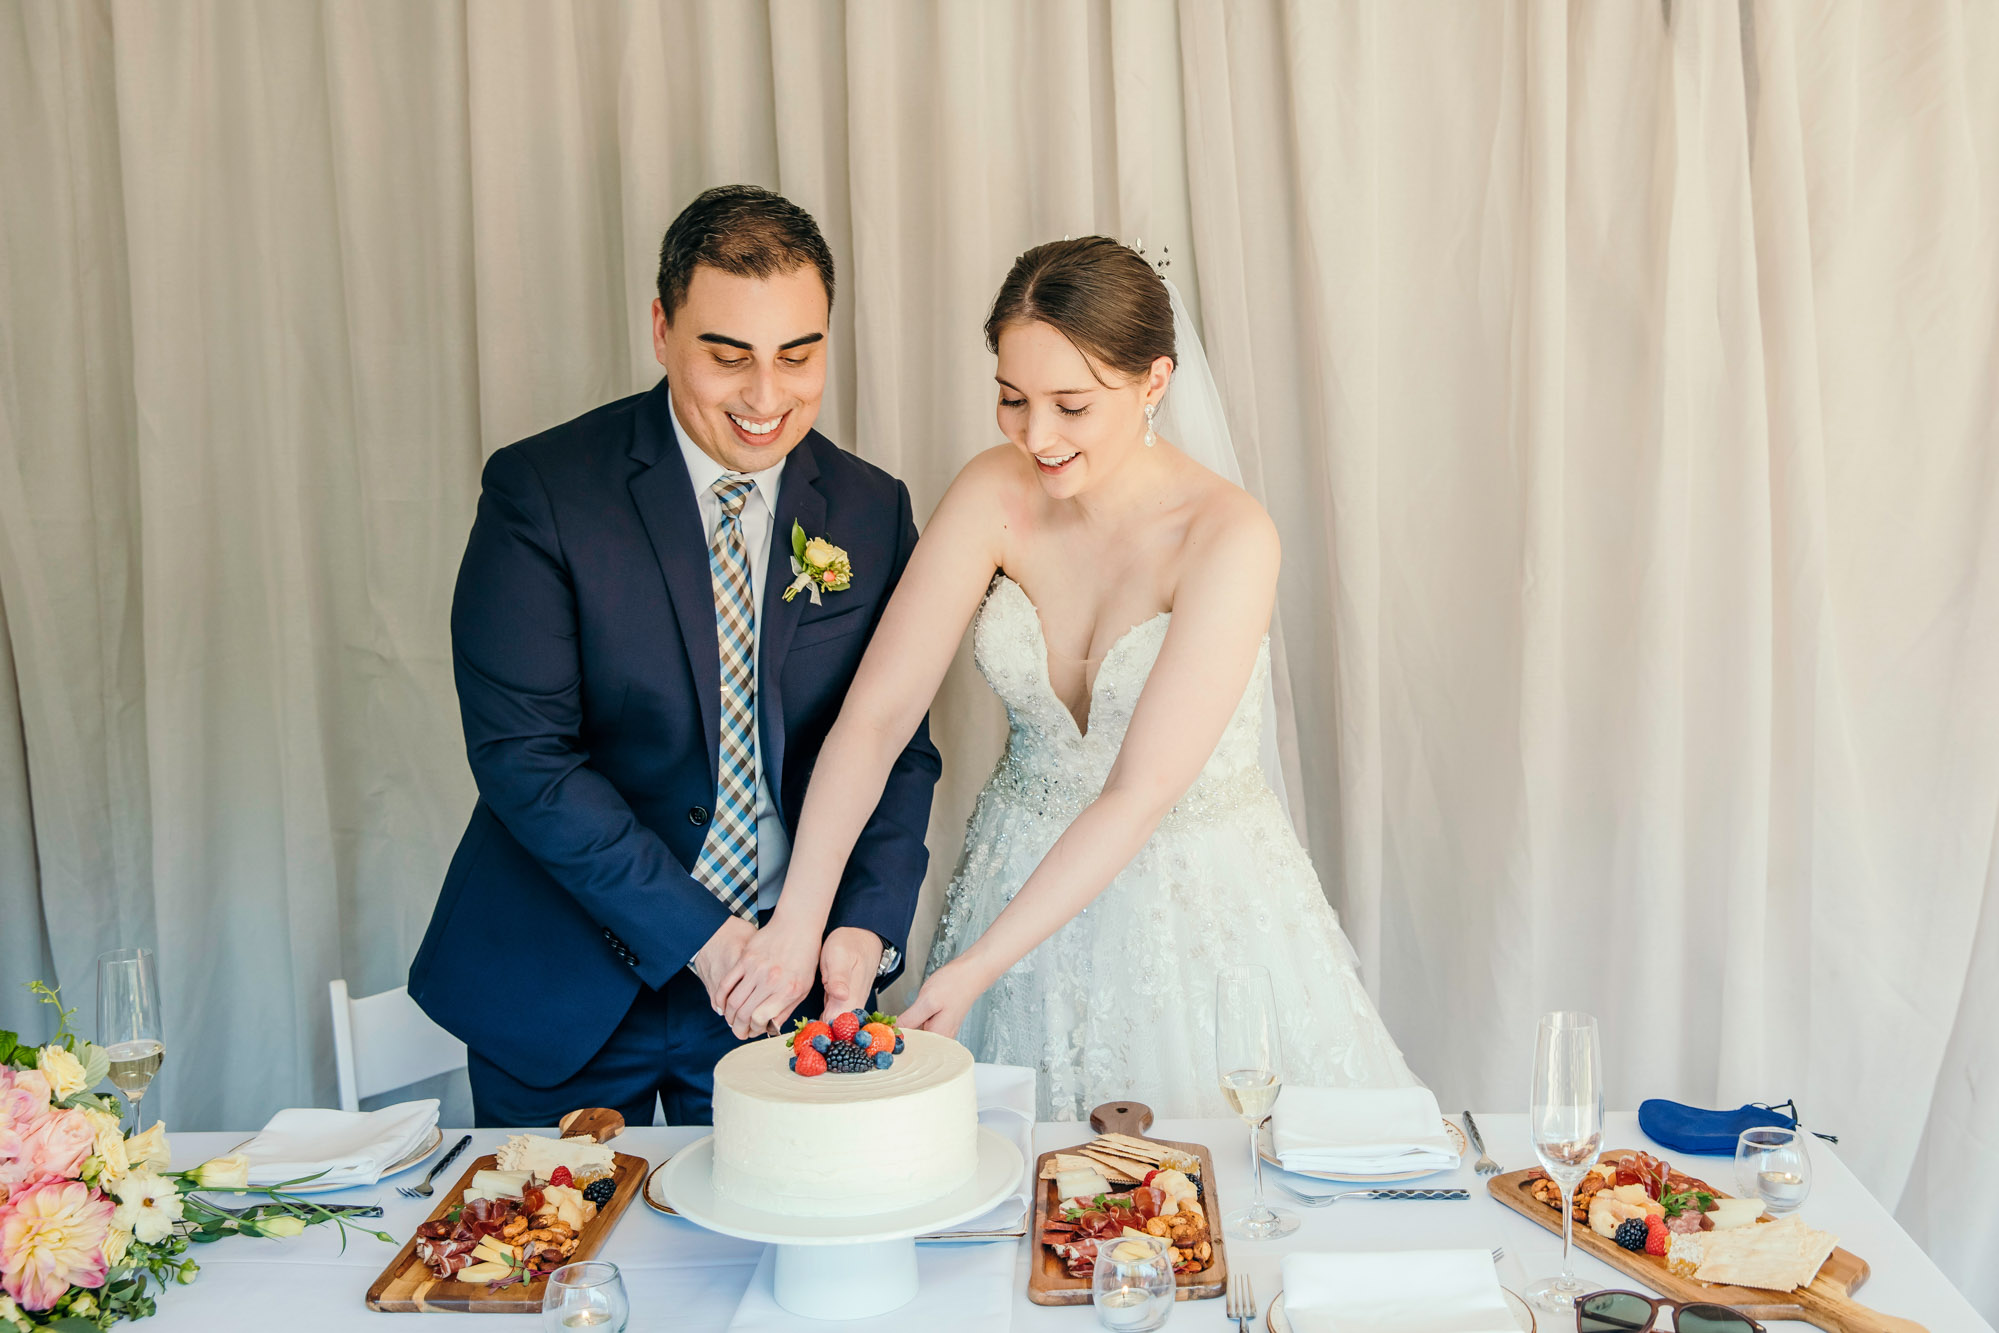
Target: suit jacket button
x: 698, y: 816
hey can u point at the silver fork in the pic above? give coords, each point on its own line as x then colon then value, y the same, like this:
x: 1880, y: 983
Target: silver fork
x: 1241, y: 1301
x: 423, y: 1190
x: 1485, y: 1166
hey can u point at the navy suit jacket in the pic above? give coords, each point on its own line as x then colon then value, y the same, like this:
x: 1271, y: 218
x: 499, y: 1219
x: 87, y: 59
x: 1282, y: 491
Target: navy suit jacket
x: 589, y: 681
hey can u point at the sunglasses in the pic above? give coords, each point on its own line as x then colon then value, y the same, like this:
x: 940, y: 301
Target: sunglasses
x: 1629, y: 1312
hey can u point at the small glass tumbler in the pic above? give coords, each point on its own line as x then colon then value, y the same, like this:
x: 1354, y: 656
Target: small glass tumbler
x: 586, y: 1295
x: 1133, y: 1284
x: 1771, y: 1164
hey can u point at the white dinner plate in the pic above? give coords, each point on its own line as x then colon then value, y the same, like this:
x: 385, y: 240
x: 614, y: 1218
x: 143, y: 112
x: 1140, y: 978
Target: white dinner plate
x: 1522, y: 1314
x: 409, y: 1159
x: 1269, y: 1155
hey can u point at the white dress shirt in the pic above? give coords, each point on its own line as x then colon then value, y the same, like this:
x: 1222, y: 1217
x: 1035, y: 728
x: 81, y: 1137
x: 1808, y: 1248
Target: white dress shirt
x: 759, y: 516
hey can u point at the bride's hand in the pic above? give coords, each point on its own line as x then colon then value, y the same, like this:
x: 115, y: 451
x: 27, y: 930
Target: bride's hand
x: 945, y: 999
x: 772, y: 974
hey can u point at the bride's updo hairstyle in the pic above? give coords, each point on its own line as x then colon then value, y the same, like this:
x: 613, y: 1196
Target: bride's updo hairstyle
x: 1099, y: 294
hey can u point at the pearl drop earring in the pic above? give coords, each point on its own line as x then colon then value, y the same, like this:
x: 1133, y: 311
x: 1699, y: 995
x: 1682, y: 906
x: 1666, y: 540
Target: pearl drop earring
x: 1150, y: 408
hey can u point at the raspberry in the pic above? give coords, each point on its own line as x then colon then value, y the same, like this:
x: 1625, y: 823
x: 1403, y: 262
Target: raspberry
x: 845, y: 1026
x: 810, y: 1063
x: 881, y: 1038
x: 561, y: 1176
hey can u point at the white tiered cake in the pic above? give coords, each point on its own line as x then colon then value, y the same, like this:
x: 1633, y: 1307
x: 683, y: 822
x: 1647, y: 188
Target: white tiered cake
x: 844, y: 1145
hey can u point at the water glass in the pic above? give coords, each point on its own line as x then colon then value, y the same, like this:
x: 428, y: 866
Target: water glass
x: 1771, y: 1164
x: 586, y: 1295
x: 1133, y: 1283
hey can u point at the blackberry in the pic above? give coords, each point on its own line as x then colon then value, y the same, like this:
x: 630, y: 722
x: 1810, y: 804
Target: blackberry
x: 1631, y: 1234
x: 599, y: 1191
x: 846, y: 1058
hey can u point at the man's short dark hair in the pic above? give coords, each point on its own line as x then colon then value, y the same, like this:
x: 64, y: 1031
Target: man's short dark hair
x: 741, y: 229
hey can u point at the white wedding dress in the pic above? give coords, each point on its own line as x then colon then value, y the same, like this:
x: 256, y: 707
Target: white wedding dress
x: 1119, y: 1003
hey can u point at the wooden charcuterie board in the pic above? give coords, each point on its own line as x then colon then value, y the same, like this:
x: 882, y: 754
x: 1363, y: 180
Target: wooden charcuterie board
x: 1049, y: 1283
x: 1827, y: 1303
x: 407, y: 1286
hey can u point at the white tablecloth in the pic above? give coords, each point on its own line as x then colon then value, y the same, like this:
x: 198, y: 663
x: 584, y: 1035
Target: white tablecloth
x: 683, y: 1278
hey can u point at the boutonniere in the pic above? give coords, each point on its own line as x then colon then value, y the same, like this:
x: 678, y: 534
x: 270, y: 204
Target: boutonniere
x: 818, y: 564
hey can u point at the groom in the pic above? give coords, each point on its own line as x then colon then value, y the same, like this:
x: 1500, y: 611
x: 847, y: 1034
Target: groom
x: 643, y: 706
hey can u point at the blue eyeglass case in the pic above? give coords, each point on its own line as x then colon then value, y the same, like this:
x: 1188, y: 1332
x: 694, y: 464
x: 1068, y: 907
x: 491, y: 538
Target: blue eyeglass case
x: 1692, y: 1129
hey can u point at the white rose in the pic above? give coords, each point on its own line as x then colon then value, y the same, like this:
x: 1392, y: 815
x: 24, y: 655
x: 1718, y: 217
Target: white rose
x: 149, y: 1151
x: 63, y: 1071
x: 231, y: 1172
x: 116, y: 1243
x: 109, y: 1148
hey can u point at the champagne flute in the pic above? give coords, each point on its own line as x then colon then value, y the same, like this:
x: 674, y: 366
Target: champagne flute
x: 1565, y: 1117
x: 1247, y: 1054
x: 128, y: 1021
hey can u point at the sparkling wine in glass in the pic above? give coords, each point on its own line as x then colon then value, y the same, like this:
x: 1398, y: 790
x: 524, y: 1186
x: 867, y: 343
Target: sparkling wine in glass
x: 1247, y: 1054
x: 128, y: 1021
x: 1565, y: 1119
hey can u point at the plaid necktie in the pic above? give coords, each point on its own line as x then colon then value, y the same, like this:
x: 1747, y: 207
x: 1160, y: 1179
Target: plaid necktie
x: 728, y: 861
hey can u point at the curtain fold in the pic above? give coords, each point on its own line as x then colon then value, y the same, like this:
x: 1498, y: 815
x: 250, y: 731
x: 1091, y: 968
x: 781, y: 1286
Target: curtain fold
x: 1623, y: 380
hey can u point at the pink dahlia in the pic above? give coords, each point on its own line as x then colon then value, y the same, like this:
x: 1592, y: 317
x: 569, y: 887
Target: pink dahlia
x: 51, y: 1239
x: 53, y: 1148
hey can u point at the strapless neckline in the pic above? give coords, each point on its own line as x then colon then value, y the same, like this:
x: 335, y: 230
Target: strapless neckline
x: 1083, y: 732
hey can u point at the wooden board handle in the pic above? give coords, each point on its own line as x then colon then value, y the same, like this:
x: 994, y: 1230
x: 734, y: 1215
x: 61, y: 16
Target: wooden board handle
x: 595, y: 1122
x: 1132, y: 1118
x: 1846, y: 1316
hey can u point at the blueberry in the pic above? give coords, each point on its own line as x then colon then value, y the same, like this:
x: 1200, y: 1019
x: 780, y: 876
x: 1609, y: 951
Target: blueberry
x: 820, y: 1043
x: 884, y: 1060
x: 898, y: 1045
x: 794, y: 1064
x: 861, y: 1014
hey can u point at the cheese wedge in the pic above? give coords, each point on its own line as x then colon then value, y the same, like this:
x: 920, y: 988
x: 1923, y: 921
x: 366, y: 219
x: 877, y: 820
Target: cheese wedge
x: 1081, y: 1184
x: 498, y: 1184
x: 487, y: 1272
x: 1727, y: 1214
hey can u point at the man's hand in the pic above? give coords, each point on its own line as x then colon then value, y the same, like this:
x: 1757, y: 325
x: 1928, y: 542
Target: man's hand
x: 848, y: 962
x: 770, y: 976
x: 719, y: 954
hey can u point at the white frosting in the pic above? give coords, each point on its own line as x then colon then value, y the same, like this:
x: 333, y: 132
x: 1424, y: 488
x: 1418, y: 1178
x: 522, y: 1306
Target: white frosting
x: 844, y: 1145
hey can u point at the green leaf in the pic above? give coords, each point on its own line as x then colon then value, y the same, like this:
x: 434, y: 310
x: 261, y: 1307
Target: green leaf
x: 96, y: 1063
x: 798, y: 540
x: 9, y: 1043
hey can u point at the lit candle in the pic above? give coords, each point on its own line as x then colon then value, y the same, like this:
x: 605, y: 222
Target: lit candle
x: 1124, y: 1307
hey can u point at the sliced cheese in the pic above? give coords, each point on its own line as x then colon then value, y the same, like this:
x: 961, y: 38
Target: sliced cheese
x: 499, y: 1184
x: 1727, y: 1214
x: 487, y: 1272
x: 493, y: 1250
x: 1084, y: 1184
x: 539, y: 1155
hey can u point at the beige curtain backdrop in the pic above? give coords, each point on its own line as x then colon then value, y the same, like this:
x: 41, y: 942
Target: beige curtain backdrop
x: 1623, y: 378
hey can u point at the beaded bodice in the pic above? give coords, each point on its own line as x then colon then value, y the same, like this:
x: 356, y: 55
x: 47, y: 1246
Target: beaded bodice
x: 1055, y: 768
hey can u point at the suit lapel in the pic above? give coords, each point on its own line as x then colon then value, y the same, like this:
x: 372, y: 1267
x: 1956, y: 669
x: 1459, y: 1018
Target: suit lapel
x: 800, y: 501
x: 664, y: 494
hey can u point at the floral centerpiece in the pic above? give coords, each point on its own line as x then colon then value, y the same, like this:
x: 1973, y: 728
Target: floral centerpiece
x: 91, y: 1219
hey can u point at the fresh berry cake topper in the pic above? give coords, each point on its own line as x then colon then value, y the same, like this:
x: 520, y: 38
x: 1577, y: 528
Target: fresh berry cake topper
x: 853, y: 1043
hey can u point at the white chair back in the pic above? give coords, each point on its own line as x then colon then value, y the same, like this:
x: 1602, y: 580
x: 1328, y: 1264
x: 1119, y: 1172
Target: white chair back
x: 384, y: 1041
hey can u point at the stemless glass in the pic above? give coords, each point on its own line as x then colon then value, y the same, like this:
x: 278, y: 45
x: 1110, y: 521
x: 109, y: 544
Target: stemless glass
x: 128, y: 1021
x: 1771, y: 1164
x: 1565, y: 1118
x: 1132, y: 1286
x: 586, y: 1295
x: 1250, y: 1062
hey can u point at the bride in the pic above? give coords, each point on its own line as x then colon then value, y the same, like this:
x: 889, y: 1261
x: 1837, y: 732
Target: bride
x: 1128, y: 845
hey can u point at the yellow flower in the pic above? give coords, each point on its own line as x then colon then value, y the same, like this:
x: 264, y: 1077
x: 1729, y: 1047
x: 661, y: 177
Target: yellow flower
x: 820, y: 553
x: 109, y: 1148
x: 149, y: 1151
x: 117, y: 1242
x: 63, y: 1071
x: 231, y: 1172
x: 282, y: 1225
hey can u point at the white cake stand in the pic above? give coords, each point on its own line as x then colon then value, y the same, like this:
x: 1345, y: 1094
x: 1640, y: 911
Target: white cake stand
x: 840, y: 1267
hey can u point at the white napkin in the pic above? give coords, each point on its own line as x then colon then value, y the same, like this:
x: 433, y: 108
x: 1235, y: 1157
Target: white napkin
x: 1361, y: 1131
x: 1006, y: 1106
x: 350, y: 1147
x: 1408, y: 1291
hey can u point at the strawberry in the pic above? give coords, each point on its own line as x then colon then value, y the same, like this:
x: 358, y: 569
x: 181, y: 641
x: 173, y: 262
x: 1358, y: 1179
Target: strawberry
x: 561, y: 1176
x: 1657, y: 1236
x: 881, y: 1037
x: 811, y: 1063
x: 802, y: 1039
x: 845, y: 1025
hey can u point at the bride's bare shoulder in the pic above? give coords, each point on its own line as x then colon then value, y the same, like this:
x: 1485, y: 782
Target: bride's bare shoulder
x: 1228, y: 519
x: 998, y: 479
